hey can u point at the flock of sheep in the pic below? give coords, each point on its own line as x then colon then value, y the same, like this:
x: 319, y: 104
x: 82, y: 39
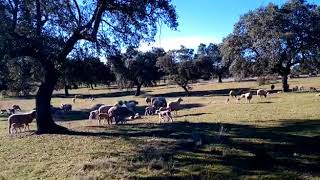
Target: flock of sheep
x: 119, y: 112
x: 122, y: 110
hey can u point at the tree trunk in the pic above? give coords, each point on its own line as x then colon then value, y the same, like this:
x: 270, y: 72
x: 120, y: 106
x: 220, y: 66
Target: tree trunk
x: 66, y: 90
x: 91, y: 86
x: 186, y: 90
x: 219, y: 78
x: 285, y: 85
x: 138, y: 91
x: 45, y: 123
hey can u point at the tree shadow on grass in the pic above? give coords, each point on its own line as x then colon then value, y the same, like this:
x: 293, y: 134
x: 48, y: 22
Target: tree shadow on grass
x: 291, y: 150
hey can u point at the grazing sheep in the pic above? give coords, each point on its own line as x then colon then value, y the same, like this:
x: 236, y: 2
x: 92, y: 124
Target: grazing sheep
x: 313, y: 89
x: 104, y: 116
x: 16, y: 126
x: 131, y: 105
x: 165, y: 115
x: 104, y: 109
x: 66, y: 107
x: 16, y: 107
x: 262, y: 92
x: 301, y: 88
x: 175, y: 105
x: 272, y: 87
x: 296, y: 88
x: 150, y: 110
x: 96, y: 107
x: 118, y: 114
x: 148, y: 100
x: 25, y: 119
x: 159, y: 102
x: 233, y: 94
x: 247, y: 96
x: 93, y: 114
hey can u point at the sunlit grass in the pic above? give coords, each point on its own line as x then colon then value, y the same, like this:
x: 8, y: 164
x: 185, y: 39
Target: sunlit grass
x: 272, y: 138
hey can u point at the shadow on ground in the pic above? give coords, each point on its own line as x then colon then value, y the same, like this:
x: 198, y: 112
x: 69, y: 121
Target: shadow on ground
x: 222, y: 151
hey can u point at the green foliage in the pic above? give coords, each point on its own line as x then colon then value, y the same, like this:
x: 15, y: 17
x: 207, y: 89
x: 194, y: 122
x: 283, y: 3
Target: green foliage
x: 273, y: 39
x: 135, y: 68
x: 180, y: 67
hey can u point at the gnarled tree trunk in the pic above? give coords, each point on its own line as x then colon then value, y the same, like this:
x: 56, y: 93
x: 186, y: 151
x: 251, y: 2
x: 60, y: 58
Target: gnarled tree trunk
x: 138, y: 91
x: 285, y: 85
x: 186, y: 90
x: 45, y: 123
x: 66, y: 90
x: 219, y: 78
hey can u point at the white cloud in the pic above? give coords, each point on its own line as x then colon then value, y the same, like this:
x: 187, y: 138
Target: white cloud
x: 176, y: 42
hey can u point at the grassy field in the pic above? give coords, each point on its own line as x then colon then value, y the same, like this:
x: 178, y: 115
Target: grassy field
x: 273, y: 138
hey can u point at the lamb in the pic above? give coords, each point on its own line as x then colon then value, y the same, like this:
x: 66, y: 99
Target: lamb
x: 66, y: 107
x: 16, y: 126
x: 247, y: 96
x: 150, y: 110
x: 16, y: 107
x: 233, y: 94
x: 165, y: 115
x: 175, y: 105
x: 25, y: 119
x: 148, y: 100
x: 104, y: 116
x: 93, y: 114
x: 262, y: 92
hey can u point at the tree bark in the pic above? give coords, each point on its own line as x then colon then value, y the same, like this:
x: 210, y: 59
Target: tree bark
x: 45, y: 123
x: 66, y: 90
x: 285, y: 85
x: 91, y: 85
x: 186, y: 90
x: 219, y: 78
x: 138, y: 91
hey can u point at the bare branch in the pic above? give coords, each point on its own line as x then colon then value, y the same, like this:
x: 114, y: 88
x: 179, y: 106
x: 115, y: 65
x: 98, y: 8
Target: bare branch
x: 79, y: 12
x: 113, y: 27
x: 38, y: 16
x: 71, y: 12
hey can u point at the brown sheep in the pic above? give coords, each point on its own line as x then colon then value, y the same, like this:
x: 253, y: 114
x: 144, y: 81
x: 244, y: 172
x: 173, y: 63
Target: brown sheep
x: 104, y: 116
x: 262, y: 92
x: 175, y: 105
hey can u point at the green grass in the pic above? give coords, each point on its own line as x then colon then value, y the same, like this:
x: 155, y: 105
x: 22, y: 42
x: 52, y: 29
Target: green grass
x: 273, y: 138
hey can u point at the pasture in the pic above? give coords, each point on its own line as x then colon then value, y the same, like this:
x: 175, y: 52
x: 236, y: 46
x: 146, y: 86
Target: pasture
x: 273, y: 138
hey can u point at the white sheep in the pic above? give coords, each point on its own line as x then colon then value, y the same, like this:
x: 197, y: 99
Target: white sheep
x: 262, y: 92
x: 93, y: 114
x: 24, y: 119
x: 148, y: 100
x: 104, y: 109
x: 301, y: 88
x: 104, y: 116
x: 165, y: 115
x: 150, y: 110
x: 247, y: 96
x: 233, y: 94
x: 296, y: 88
x: 16, y: 107
x: 175, y: 105
x: 66, y: 107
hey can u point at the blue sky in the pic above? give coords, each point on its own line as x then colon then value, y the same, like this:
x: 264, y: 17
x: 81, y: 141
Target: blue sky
x: 206, y: 21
